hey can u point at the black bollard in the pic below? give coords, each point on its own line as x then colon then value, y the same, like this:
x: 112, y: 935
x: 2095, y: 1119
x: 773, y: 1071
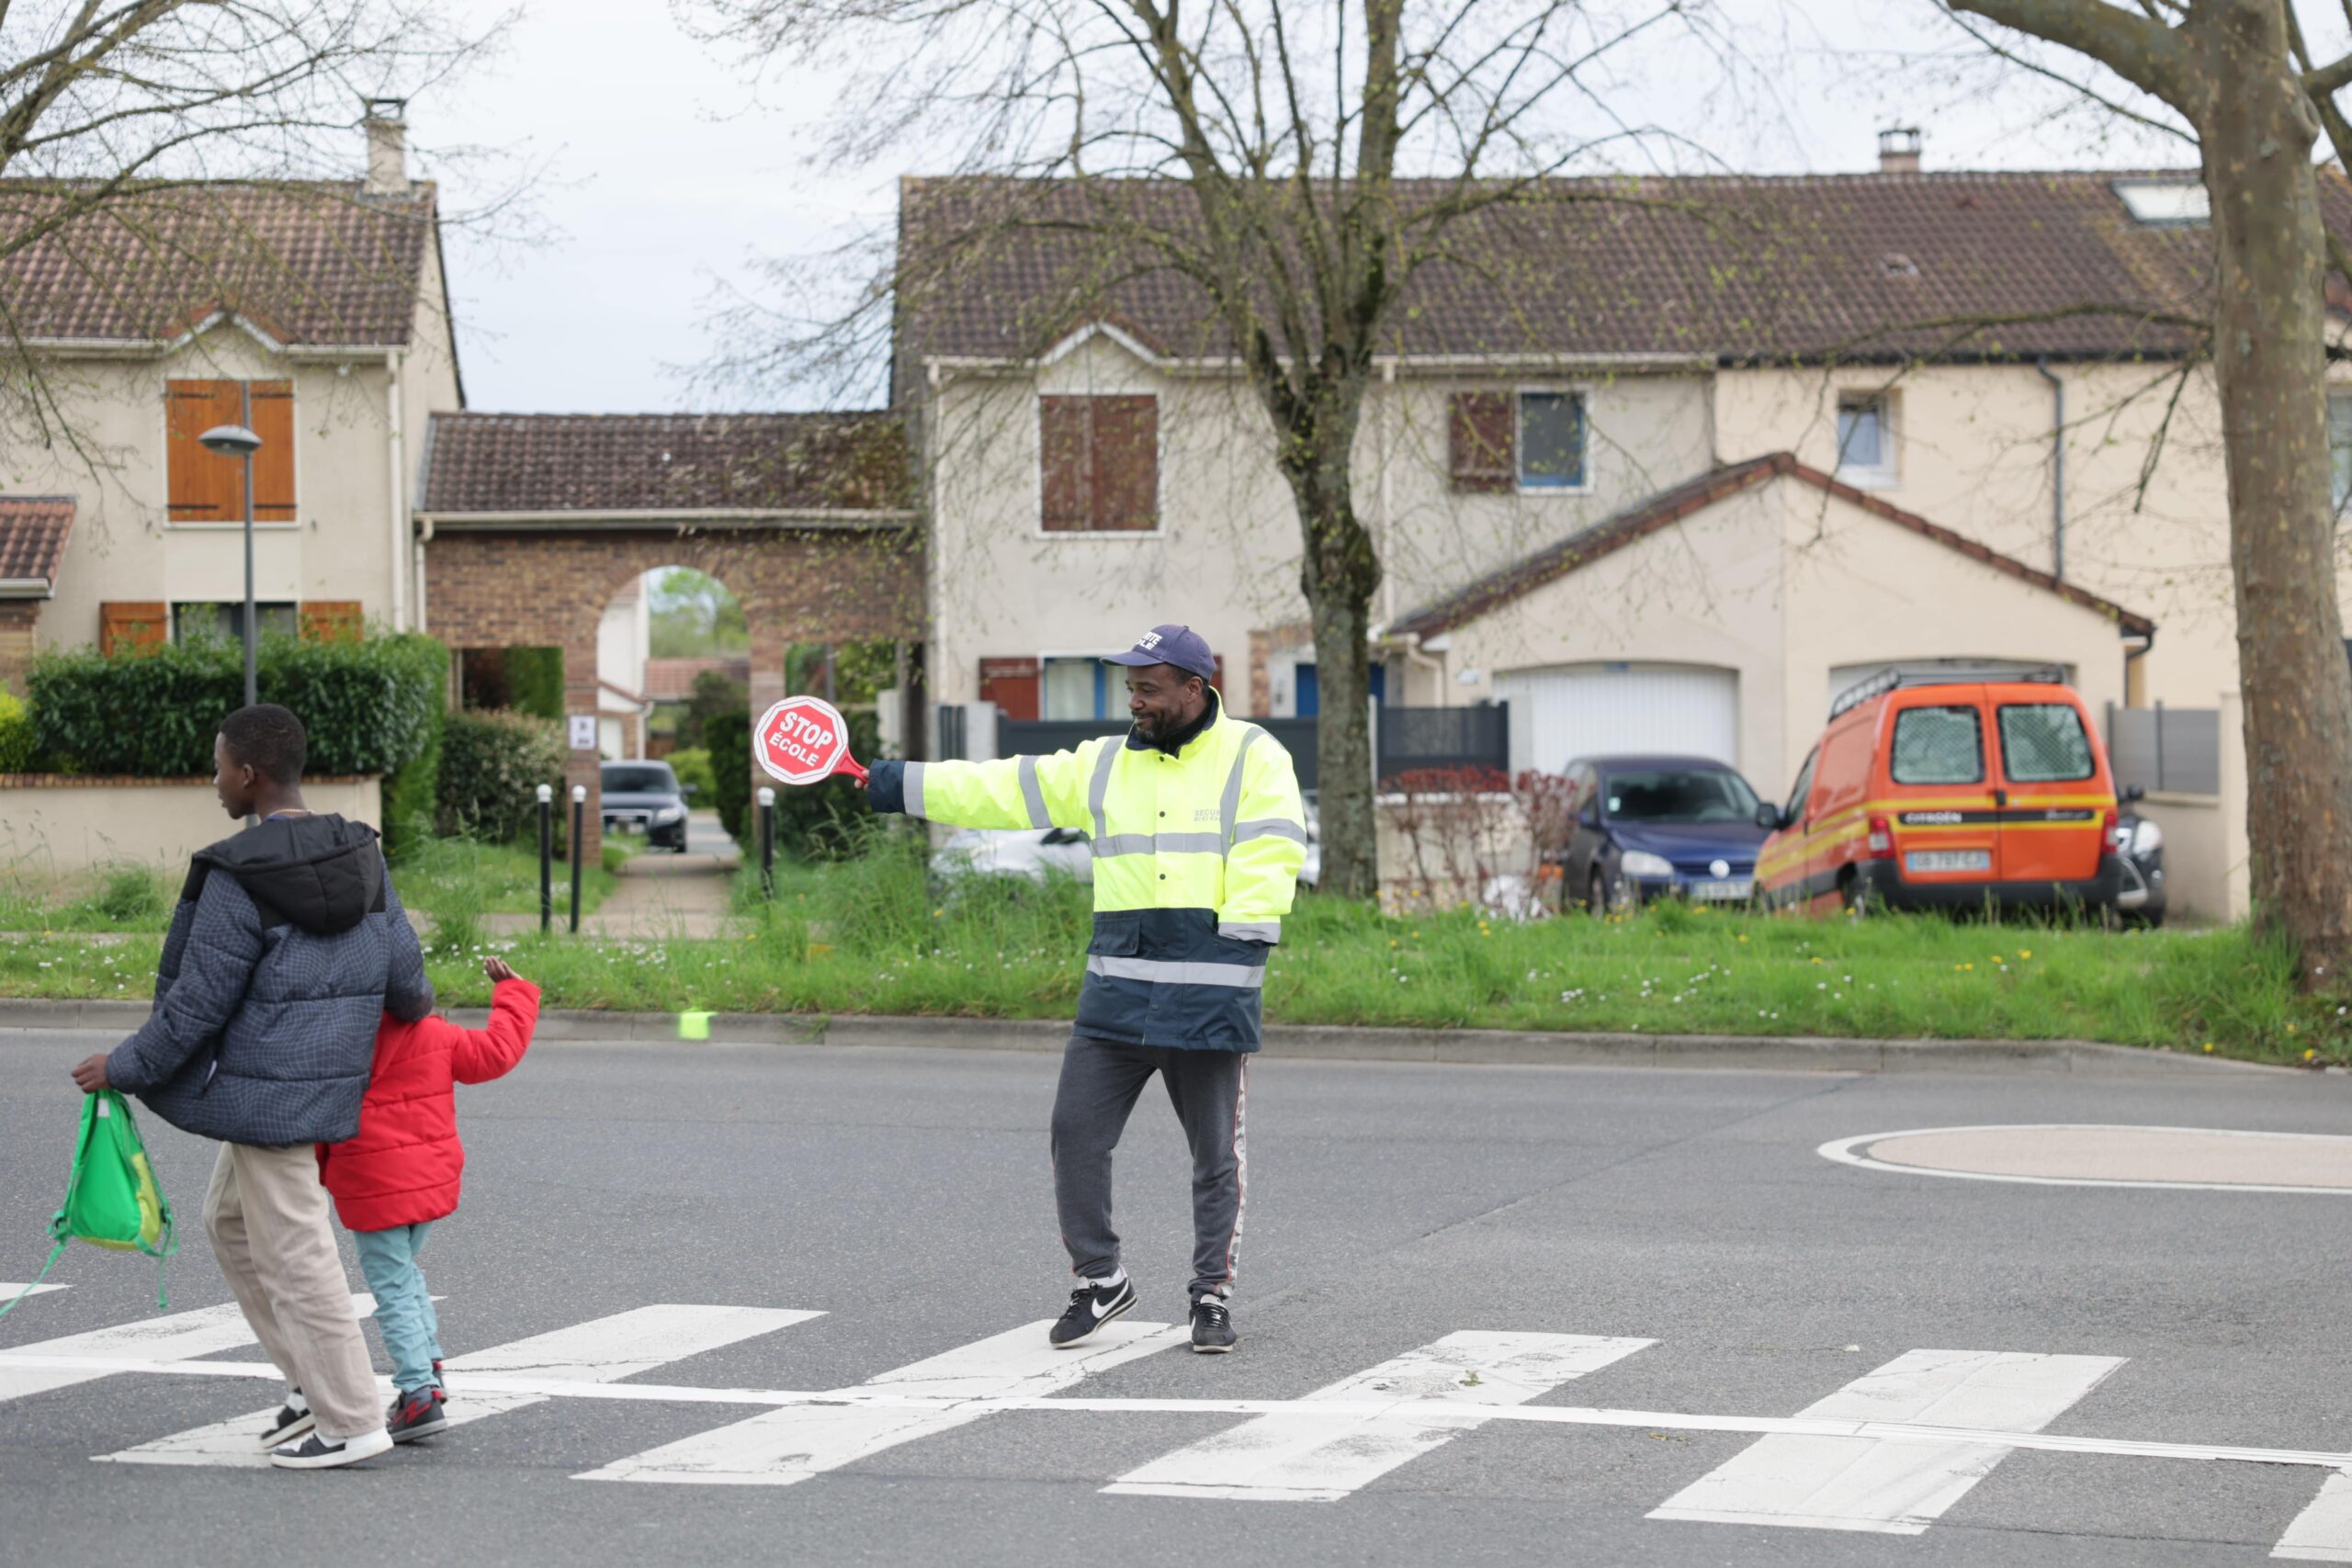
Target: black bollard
x: 547, y: 859
x: 578, y: 827
x: 767, y: 843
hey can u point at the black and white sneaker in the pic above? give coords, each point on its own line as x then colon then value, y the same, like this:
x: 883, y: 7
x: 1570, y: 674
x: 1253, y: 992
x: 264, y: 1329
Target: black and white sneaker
x: 1212, y: 1327
x: 1091, y: 1306
x: 314, y: 1452
x: 292, y: 1421
x: 418, y: 1412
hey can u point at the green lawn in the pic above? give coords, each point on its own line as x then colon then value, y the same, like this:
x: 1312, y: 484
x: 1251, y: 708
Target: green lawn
x: 877, y: 936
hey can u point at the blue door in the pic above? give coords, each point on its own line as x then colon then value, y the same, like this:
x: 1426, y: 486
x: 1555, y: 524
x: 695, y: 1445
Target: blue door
x: 1309, y: 696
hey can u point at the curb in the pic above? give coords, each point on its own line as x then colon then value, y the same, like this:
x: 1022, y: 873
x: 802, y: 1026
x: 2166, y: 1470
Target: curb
x: 1301, y: 1042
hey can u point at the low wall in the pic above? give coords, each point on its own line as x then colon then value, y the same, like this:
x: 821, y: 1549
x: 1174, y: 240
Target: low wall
x: 1442, y: 851
x: 52, y: 824
x: 2208, y: 875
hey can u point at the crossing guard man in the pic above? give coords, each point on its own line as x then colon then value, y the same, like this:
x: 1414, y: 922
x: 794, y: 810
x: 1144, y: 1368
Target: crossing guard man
x: 1198, y: 835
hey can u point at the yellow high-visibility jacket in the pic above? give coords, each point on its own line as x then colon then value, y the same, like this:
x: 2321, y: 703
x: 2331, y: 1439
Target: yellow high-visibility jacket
x: 1195, y: 858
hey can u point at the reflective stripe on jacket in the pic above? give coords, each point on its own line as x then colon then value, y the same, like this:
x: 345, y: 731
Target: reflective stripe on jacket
x: 1195, y: 858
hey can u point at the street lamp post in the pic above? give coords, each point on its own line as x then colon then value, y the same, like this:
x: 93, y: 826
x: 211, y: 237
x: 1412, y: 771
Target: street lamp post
x: 239, y: 441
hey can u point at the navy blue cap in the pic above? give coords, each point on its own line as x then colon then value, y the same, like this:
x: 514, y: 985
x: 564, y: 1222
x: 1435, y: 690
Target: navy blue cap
x: 1180, y: 647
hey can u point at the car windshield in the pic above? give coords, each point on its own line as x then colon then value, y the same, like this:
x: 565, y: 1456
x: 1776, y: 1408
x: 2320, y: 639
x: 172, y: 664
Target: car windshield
x: 641, y: 778
x: 1679, y: 794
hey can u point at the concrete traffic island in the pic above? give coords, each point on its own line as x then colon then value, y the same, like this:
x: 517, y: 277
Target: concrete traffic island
x: 2103, y: 1155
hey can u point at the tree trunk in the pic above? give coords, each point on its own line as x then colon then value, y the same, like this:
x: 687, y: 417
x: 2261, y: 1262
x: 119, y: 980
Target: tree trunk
x: 2257, y: 136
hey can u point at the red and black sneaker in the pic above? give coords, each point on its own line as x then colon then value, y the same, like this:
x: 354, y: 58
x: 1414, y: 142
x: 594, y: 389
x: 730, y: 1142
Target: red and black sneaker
x: 417, y: 1413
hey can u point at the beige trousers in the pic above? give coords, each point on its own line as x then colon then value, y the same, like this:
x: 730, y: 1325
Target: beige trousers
x: 273, y: 1234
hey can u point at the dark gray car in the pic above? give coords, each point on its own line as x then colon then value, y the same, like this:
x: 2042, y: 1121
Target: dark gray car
x: 646, y: 796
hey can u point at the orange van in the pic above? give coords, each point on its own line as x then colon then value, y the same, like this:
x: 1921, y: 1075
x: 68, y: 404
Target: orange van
x: 1947, y: 791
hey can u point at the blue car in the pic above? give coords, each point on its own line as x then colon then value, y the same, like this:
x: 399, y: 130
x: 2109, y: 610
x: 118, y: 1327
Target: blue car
x: 1644, y: 827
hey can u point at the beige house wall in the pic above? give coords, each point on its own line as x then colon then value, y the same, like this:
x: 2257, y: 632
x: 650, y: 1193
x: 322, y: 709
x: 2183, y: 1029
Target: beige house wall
x: 49, y: 826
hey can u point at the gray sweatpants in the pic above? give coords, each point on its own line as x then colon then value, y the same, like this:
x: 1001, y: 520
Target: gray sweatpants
x: 1101, y: 1081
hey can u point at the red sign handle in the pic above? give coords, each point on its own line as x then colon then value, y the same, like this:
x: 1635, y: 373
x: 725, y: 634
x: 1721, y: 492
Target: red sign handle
x: 852, y: 766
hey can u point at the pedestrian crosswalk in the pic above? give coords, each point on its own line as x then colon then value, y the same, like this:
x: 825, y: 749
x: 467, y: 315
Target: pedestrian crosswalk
x: 1890, y: 1451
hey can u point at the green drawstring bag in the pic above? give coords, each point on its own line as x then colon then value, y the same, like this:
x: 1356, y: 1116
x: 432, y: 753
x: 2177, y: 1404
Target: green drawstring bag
x: 111, y: 1199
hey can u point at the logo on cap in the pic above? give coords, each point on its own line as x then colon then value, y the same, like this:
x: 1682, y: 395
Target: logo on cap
x: 1148, y: 639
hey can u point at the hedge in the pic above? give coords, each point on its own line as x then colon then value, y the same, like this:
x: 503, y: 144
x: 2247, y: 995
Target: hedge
x: 818, y: 821
x: 369, y: 706
x: 493, y: 761
x: 730, y: 735
x: 413, y: 791
x: 691, y: 764
x: 17, y: 746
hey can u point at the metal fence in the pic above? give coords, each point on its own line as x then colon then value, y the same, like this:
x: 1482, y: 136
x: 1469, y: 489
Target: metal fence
x: 2161, y: 750
x: 1408, y: 739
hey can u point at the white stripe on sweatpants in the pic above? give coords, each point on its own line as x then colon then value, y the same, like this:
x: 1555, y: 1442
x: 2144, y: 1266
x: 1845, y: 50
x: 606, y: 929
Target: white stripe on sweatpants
x: 178, y: 1336
x: 1896, y: 1487
x: 605, y: 1349
x: 1304, y: 1456
x: 781, y: 1447
x: 2323, y: 1532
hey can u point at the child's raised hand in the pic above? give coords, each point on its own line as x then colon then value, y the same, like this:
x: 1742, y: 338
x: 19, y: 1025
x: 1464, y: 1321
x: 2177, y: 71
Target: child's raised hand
x: 497, y: 970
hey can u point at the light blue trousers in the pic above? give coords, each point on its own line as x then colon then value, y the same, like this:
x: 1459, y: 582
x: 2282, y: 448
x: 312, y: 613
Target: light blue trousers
x: 403, y: 1305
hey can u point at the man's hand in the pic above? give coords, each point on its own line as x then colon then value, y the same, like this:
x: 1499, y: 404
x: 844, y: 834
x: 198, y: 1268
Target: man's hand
x: 497, y: 970
x: 90, y: 1076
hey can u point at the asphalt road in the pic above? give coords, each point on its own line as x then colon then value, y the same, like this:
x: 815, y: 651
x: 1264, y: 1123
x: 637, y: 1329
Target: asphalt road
x: 903, y: 1194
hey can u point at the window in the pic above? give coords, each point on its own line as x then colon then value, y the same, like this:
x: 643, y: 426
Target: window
x: 639, y: 778
x: 1100, y: 464
x: 2339, y: 445
x: 1802, y: 790
x: 1940, y: 745
x: 209, y: 488
x: 2169, y: 202
x: 2044, y: 743
x: 1551, y: 441
x: 1680, y: 795
x: 1075, y: 688
x: 197, y: 622
x: 1865, y: 439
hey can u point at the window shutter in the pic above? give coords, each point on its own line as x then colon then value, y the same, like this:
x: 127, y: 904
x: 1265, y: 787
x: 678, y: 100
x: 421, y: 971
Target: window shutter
x: 1065, y: 449
x: 1127, y: 463
x: 1011, y: 684
x: 204, y: 486
x: 127, y: 625
x: 1480, y: 442
x: 273, y: 420
x: 330, y: 620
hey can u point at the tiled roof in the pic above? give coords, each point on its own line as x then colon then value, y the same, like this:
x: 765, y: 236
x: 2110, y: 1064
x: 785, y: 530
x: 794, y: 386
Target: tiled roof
x: 672, y: 680
x: 315, y: 264
x: 32, y: 535
x: 608, y: 463
x: 1672, y: 505
x: 1724, y: 268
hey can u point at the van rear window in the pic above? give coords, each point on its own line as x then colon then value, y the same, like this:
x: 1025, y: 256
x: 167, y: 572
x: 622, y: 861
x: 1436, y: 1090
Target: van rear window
x: 2043, y: 743
x: 1938, y: 746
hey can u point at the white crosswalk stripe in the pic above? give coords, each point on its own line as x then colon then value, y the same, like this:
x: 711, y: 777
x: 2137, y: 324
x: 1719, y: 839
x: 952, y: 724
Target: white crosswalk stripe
x: 605, y: 1349
x: 177, y: 1337
x: 1435, y: 1395
x: 1895, y: 1485
x: 2323, y: 1532
x: 790, y: 1444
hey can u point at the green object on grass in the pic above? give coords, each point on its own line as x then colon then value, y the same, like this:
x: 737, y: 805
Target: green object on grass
x: 112, y: 1198
x: 694, y: 1026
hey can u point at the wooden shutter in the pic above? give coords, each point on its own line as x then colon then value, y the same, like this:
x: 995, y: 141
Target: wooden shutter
x: 205, y: 486
x: 127, y: 626
x: 330, y: 620
x: 1066, y: 451
x: 273, y: 420
x: 1127, y: 463
x: 1481, y: 442
x: 1011, y: 684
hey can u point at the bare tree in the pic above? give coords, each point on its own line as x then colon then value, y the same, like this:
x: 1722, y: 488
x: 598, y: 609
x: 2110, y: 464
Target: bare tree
x: 2239, y: 75
x: 123, y: 121
x: 1295, y: 168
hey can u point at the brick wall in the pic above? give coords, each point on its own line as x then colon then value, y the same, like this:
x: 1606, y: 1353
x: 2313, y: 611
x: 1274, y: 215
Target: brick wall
x: 549, y: 590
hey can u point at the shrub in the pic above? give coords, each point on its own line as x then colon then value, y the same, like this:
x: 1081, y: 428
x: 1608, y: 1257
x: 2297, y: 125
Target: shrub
x: 369, y: 706
x: 17, y: 746
x: 492, y: 764
x: 692, y: 767
x: 730, y: 735
x: 413, y: 791
x: 822, y: 822
x: 535, y: 681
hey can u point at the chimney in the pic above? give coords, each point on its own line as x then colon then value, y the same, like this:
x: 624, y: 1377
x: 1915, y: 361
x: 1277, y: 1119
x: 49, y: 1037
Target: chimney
x: 1898, y: 150
x: 387, y: 147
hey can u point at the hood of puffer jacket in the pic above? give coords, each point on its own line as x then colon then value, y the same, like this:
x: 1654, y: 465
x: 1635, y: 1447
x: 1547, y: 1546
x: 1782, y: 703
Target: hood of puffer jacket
x: 321, y: 875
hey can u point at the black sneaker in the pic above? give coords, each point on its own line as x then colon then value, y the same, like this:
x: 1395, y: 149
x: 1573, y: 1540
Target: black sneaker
x: 315, y: 1452
x: 287, y: 1424
x: 418, y: 1412
x: 1212, y: 1326
x: 1091, y: 1306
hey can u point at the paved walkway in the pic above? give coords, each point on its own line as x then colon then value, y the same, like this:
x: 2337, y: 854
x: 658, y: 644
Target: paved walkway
x: 659, y: 894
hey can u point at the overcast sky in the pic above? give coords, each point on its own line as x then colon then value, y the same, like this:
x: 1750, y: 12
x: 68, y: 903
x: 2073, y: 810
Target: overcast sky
x: 665, y: 181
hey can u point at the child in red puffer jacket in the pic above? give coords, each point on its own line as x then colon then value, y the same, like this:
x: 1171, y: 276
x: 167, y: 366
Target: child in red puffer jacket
x: 399, y: 1174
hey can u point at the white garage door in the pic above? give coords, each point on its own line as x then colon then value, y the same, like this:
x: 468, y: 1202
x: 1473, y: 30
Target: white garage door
x: 1594, y: 709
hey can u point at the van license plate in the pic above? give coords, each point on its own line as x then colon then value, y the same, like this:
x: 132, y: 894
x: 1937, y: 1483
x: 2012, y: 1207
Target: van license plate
x: 1737, y: 892
x: 1948, y: 860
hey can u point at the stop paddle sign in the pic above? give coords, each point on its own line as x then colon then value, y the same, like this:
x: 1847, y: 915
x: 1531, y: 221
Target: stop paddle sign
x: 804, y: 740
